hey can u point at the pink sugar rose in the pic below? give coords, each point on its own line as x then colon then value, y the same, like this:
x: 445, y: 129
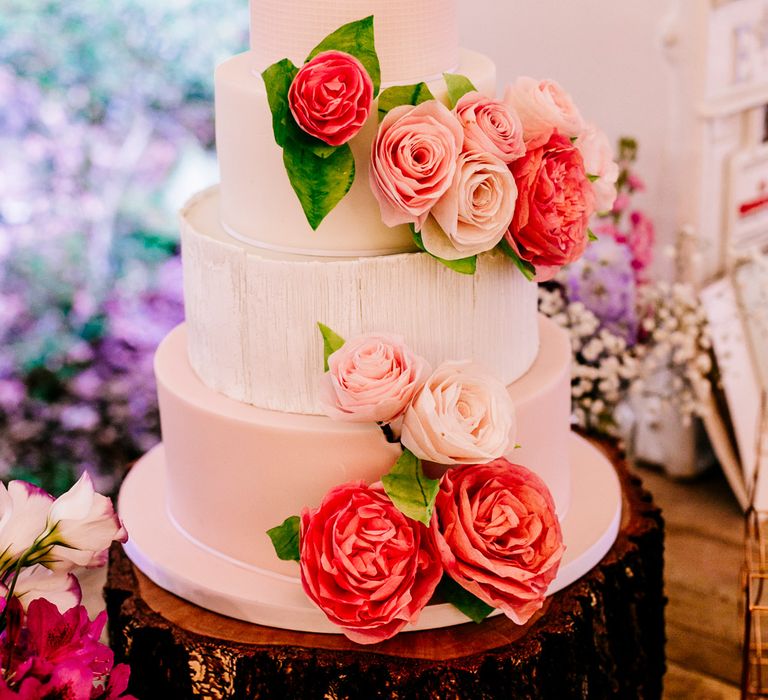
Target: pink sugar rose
x: 543, y: 107
x: 554, y: 203
x: 413, y: 161
x: 498, y: 535
x: 490, y: 126
x: 331, y: 96
x: 476, y: 210
x: 372, y: 379
x: 597, y: 152
x: 368, y: 567
x: 460, y: 416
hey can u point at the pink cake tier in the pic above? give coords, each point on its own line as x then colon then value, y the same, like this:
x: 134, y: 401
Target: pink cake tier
x: 235, y: 470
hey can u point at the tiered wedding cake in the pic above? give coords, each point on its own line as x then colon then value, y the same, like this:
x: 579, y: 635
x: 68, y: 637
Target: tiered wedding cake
x: 246, y: 441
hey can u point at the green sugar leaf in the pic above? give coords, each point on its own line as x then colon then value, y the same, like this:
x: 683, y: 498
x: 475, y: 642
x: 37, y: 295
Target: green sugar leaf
x: 409, y: 489
x: 458, y: 86
x: 465, y: 266
x: 592, y: 178
x: 403, y: 95
x: 285, y: 539
x: 528, y: 270
x: 320, y: 183
x: 474, y: 608
x: 590, y: 235
x: 277, y: 80
x: 331, y: 343
x: 356, y: 39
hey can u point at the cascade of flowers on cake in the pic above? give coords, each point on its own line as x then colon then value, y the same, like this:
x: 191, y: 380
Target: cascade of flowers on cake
x: 522, y: 174
x: 483, y: 532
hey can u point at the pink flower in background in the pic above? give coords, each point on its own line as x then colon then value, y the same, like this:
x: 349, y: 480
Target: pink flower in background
x: 498, y: 535
x: 461, y: 416
x: 490, y: 126
x: 475, y: 212
x: 372, y: 379
x: 640, y: 239
x: 368, y: 567
x: 597, y: 152
x: 330, y: 97
x: 620, y: 203
x: 413, y: 161
x: 554, y: 203
x: 544, y: 107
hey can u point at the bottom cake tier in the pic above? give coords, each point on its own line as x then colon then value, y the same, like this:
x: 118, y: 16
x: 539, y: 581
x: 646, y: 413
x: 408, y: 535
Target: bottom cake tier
x: 227, y: 586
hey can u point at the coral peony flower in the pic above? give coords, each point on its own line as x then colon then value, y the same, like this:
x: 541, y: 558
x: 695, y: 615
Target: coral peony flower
x: 460, y: 416
x: 554, y: 203
x: 476, y: 210
x: 597, y: 153
x: 330, y: 97
x: 498, y: 535
x: 81, y: 524
x: 490, y: 126
x: 543, y: 107
x: 368, y: 567
x: 372, y: 379
x: 413, y: 161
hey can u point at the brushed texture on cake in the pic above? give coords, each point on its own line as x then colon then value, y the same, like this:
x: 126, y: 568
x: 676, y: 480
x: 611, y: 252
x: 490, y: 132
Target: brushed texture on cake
x: 236, y: 470
x: 253, y: 314
x: 414, y: 40
x: 259, y: 205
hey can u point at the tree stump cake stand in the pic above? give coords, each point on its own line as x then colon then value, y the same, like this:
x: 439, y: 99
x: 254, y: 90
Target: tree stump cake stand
x: 601, y: 637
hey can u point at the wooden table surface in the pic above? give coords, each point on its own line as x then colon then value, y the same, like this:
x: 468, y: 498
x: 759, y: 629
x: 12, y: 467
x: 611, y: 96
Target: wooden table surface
x: 703, y: 558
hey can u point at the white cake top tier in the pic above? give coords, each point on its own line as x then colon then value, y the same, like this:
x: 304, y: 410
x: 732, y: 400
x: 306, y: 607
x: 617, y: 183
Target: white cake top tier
x: 415, y: 39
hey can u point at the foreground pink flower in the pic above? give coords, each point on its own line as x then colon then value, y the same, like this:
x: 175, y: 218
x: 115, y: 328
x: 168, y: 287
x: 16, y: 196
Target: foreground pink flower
x: 81, y: 524
x: 23, y: 516
x: 368, y: 567
x: 413, y: 161
x: 58, y: 587
x: 52, y: 654
x: 372, y: 379
x: 543, y: 107
x: 330, y: 97
x: 554, y: 204
x: 597, y: 153
x: 498, y: 535
x: 490, y: 126
x: 476, y: 210
x: 462, y: 415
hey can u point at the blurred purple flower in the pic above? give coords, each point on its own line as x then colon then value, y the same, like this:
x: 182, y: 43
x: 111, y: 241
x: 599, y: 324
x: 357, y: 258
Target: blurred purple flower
x: 603, y: 280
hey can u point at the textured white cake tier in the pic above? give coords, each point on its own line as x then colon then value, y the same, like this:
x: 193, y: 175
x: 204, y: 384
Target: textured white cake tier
x: 252, y: 314
x: 414, y: 40
x: 257, y: 201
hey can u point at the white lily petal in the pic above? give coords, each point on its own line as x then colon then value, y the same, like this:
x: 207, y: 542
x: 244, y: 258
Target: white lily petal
x: 60, y: 588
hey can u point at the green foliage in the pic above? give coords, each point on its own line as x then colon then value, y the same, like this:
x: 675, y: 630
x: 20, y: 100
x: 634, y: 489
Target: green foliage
x: 458, y: 86
x: 464, y: 266
x: 332, y: 341
x: 399, y: 95
x: 474, y: 608
x: 528, y: 270
x: 410, y: 490
x: 285, y: 538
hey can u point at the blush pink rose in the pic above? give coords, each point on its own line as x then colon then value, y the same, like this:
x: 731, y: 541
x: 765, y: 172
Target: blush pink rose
x: 460, y: 416
x: 597, y: 153
x: 413, y: 161
x: 476, y: 210
x: 330, y: 97
x: 372, y: 379
x: 490, y: 126
x: 498, y: 535
x: 368, y: 567
x: 554, y: 203
x: 543, y: 107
